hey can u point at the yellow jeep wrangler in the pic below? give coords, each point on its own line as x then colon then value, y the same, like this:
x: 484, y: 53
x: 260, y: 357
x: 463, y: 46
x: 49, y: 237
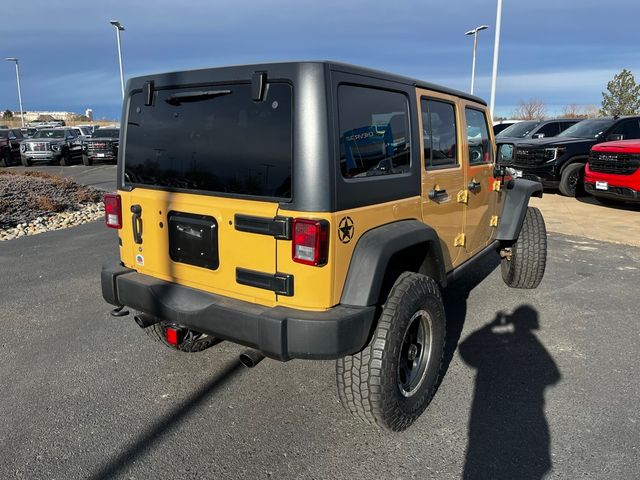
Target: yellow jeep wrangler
x: 313, y: 210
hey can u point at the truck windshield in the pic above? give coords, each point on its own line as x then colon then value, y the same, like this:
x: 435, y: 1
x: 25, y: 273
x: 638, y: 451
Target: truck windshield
x: 49, y: 134
x: 191, y: 139
x: 106, y: 133
x: 587, y: 128
x: 518, y: 130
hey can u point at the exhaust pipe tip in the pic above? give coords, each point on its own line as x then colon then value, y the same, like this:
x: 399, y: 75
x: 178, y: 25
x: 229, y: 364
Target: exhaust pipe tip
x: 250, y: 358
x: 143, y: 320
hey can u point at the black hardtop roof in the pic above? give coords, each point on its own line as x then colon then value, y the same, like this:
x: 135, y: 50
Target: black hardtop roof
x: 340, y: 67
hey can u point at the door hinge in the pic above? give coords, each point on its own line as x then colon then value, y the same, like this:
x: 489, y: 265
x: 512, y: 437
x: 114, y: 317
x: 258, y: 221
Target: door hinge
x: 463, y: 196
x: 496, y: 185
x: 494, y: 221
x: 460, y: 240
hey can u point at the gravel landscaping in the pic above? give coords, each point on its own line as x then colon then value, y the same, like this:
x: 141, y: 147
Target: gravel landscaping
x: 36, y: 202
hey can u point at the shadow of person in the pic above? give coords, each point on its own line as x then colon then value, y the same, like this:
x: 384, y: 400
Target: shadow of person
x: 508, y: 432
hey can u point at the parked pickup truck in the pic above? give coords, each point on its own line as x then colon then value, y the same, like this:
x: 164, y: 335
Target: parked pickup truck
x: 103, y: 145
x: 613, y: 172
x: 559, y: 162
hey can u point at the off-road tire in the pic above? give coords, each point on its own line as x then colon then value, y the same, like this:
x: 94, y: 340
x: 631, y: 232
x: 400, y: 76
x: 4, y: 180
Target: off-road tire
x: 572, y: 180
x: 86, y: 160
x: 157, y: 333
x: 65, y: 159
x: 6, y: 159
x: 26, y: 161
x: 369, y: 381
x: 528, y: 260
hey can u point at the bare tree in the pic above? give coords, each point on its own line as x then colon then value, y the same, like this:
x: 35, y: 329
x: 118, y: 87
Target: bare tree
x: 532, y: 109
x: 573, y: 110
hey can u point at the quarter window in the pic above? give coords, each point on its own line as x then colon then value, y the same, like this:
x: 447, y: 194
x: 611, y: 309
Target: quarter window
x: 439, y: 133
x: 375, y: 138
x: 628, y: 128
x: 480, y: 151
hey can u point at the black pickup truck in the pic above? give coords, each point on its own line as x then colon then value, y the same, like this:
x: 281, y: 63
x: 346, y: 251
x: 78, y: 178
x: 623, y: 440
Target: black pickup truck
x: 558, y: 162
x: 103, y: 145
x: 10, y: 140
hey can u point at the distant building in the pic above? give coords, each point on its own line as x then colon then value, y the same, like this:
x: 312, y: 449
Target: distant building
x: 66, y: 116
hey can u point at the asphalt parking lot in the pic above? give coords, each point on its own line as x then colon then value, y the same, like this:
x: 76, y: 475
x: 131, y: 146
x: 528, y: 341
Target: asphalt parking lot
x: 86, y: 395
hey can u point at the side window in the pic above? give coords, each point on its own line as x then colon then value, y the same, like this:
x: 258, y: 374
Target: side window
x: 564, y: 125
x: 375, y: 138
x: 12, y: 135
x: 480, y: 151
x: 549, y: 130
x: 628, y: 128
x: 439, y: 125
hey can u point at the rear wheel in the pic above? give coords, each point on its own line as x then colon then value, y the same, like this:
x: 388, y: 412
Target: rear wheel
x: 65, y: 159
x: 571, y: 181
x: 526, y: 259
x: 5, y: 161
x: 191, y: 341
x: 391, y: 382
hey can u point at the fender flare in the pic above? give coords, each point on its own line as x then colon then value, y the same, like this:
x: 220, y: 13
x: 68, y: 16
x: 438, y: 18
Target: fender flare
x: 374, y: 250
x: 515, y: 207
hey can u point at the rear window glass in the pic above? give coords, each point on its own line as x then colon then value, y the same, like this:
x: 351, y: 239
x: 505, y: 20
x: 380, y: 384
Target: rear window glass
x: 374, y: 132
x: 214, y: 139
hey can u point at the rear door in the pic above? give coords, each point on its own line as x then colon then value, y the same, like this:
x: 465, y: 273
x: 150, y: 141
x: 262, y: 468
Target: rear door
x: 482, y: 199
x: 204, y: 171
x: 442, y: 173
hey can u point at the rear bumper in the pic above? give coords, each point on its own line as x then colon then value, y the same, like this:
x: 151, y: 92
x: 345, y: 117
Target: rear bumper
x: 279, y: 332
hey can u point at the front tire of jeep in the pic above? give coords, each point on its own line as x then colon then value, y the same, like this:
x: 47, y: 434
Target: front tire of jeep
x: 86, y: 160
x: 191, y: 343
x: 26, y: 161
x: 527, y: 257
x: 572, y: 180
x: 393, y: 379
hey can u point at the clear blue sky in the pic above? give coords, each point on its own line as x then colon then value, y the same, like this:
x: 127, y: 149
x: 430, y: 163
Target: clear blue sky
x: 560, y: 51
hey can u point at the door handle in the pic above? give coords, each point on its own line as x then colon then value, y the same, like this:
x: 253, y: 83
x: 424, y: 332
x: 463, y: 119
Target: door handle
x: 474, y: 186
x: 437, y: 194
x: 136, y: 220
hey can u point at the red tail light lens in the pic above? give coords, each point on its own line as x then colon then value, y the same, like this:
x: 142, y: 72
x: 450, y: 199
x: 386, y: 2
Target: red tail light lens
x: 113, y: 210
x: 310, y: 241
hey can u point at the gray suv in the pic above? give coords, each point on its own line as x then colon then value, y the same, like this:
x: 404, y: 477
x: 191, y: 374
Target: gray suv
x: 61, y: 145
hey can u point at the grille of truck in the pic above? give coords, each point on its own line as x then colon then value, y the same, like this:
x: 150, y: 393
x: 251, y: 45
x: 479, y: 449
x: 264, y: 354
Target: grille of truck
x: 529, y: 156
x: 616, y: 163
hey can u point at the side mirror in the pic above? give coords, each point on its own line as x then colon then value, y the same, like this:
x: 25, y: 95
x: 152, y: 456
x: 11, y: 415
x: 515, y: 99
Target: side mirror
x: 538, y: 135
x: 615, y: 137
x: 499, y: 171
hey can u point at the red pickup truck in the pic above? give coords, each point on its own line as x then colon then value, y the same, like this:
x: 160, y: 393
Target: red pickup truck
x: 613, y: 171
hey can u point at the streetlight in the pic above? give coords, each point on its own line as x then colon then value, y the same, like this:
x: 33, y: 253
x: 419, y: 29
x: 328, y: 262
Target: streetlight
x: 13, y: 59
x: 474, y: 32
x: 119, y: 28
x: 496, y: 49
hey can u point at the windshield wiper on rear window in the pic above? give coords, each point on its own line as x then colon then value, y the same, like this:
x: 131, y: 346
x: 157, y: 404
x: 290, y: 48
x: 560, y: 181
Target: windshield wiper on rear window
x: 178, y: 98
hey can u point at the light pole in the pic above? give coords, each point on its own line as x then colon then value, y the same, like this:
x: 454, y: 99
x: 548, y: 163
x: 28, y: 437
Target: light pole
x: 474, y: 32
x: 13, y: 59
x: 119, y: 28
x: 496, y: 49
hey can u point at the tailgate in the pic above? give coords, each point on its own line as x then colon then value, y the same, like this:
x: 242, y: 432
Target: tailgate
x: 192, y: 240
